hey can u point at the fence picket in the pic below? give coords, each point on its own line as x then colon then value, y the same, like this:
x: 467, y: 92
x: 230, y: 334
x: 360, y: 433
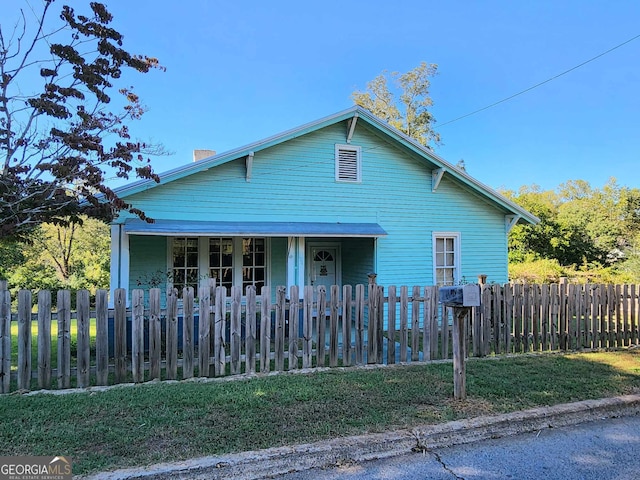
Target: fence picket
x: 102, y: 337
x: 83, y: 370
x: 281, y: 300
x: 294, y: 317
x: 5, y: 338
x: 347, y: 319
x: 137, y: 335
x: 415, y: 325
x: 307, y: 327
x: 250, y: 338
x: 265, y: 329
x: 64, y: 338
x: 359, y: 324
x: 24, y: 339
x: 188, y: 324
x: 235, y: 335
x: 44, y: 339
x: 322, y: 326
x: 171, y: 342
x: 219, y: 348
x: 404, y: 320
x: 391, y: 326
x: 333, y: 326
x: 155, y: 334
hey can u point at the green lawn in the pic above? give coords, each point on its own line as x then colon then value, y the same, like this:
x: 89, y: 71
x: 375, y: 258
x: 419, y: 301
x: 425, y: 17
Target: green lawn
x: 163, y: 422
x: 73, y: 330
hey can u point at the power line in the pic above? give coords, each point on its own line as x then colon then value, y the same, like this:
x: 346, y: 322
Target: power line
x: 538, y: 84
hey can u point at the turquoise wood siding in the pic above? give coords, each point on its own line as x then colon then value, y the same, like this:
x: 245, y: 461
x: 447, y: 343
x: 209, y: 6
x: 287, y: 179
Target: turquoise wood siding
x: 295, y: 181
x: 148, y: 259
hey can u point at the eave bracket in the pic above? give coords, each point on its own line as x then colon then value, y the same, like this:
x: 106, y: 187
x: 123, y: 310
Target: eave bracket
x: 351, y: 127
x: 436, y: 176
x: 249, y: 165
x: 510, y: 221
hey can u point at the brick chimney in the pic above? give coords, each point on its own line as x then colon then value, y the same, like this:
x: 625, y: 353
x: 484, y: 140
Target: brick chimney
x: 200, y: 154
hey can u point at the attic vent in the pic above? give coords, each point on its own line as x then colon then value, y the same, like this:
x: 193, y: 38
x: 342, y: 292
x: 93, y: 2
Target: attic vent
x: 348, y: 164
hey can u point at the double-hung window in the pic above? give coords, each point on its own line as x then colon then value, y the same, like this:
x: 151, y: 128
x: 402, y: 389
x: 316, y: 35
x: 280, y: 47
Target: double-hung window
x: 446, y: 258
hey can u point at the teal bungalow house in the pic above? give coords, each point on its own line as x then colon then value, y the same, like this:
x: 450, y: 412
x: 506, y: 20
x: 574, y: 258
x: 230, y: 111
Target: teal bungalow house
x: 326, y: 203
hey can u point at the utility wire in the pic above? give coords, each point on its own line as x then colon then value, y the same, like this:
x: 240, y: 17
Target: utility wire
x: 538, y: 84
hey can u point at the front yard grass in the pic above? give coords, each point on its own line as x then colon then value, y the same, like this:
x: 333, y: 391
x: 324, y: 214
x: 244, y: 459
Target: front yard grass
x: 149, y: 423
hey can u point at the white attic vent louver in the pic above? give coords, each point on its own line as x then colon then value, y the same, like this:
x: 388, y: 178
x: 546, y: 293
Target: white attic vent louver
x: 348, y: 163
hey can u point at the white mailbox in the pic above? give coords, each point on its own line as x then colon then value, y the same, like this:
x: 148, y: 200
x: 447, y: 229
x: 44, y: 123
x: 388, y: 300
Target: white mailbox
x: 460, y: 296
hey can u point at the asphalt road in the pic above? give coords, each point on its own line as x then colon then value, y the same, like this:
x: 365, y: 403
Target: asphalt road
x: 603, y: 450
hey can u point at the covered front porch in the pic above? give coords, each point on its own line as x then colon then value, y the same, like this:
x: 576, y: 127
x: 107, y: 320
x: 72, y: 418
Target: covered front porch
x: 185, y: 253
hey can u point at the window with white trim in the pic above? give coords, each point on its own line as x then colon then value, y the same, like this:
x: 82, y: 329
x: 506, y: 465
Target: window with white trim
x: 348, y: 163
x: 185, y: 270
x: 446, y: 258
x: 230, y: 260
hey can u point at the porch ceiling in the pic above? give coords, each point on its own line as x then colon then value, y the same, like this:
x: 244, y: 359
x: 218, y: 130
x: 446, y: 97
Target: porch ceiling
x: 181, y: 228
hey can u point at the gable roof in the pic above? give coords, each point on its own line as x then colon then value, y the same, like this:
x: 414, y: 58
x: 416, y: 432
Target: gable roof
x: 358, y: 114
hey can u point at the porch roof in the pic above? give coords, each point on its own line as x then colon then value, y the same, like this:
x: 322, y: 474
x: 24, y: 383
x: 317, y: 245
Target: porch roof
x: 173, y: 228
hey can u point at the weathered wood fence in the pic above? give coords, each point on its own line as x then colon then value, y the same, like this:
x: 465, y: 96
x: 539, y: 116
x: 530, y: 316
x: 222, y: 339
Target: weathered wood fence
x: 217, y: 335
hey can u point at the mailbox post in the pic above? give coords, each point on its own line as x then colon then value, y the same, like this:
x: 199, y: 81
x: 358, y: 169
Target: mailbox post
x: 461, y: 298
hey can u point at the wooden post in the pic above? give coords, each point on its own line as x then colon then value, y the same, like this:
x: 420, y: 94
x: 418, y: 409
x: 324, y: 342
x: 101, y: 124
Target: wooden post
x: 346, y: 324
x: 24, y: 339
x: 333, y: 326
x: 459, y: 353
x: 204, y: 329
x: 188, y: 325
x: 235, y: 337
x: 391, y: 327
x: 137, y: 335
x: 155, y: 334
x: 281, y: 299
x: 415, y: 324
x: 265, y: 329
x: 102, y: 337
x: 64, y: 338
x: 5, y: 337
x: 404, y: 315
x: 250, y: 331
x: 171, y: 335
x: 83, y: 370
x: 322, y: 326
x: 307, y: 327
x: 44, y: 339
x: 294, y: 316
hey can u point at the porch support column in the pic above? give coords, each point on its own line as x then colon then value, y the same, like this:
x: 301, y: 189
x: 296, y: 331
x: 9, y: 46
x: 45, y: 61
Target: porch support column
x: 295, y: 263
x: 119, y: 261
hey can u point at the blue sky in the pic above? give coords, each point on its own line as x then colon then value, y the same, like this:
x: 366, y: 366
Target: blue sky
x: 241, y: 71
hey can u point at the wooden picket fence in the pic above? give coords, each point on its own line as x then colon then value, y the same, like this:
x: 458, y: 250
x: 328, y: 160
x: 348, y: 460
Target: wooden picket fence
x: 217, y: 335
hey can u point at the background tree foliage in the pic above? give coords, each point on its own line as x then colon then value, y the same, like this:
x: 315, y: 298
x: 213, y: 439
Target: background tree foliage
x: 410, y: 113
x: 584, y: 231
x: 56, y: 256
x: 59, y: 140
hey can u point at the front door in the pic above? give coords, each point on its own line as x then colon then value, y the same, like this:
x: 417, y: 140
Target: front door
x: 324, y: 266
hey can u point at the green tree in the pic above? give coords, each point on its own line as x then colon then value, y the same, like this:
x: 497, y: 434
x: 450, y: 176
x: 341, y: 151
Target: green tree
x: 410, y: 114
x: 59, y: 137
x: 70, y: 256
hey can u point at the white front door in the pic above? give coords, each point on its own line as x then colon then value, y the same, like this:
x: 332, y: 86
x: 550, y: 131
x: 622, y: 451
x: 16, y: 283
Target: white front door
x: 324, y: 266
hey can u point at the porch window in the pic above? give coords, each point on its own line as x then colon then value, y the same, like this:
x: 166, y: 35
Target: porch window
x: 446, y: 258
x: 185, y: 271
x: 253, y: 263
x: 230, y: 260
x: 221, y: 261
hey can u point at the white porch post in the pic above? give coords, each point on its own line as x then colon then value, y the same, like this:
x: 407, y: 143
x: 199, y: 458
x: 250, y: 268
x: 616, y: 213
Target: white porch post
x: 119, y: 261
x: 295, y: 263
